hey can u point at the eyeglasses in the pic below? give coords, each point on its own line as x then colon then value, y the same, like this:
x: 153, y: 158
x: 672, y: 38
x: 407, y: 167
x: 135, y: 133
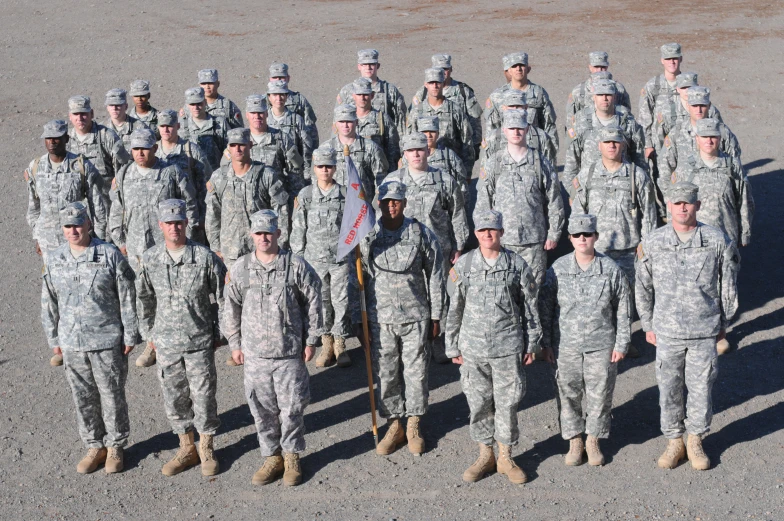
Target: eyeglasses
x: 581, y: 234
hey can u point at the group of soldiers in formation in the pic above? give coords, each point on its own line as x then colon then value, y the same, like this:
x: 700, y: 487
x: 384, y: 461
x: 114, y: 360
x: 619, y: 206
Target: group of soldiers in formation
x: 186, y: 230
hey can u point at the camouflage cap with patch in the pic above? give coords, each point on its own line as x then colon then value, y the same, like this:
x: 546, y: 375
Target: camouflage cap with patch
x: 344, y: 112
x: 325, y: 155
x: 685, y: 80
x: 515, y: 58
x: 277, y: 87
x: 441, y: 61
x: 171, y: 210
x: 514, y: 98
x: 142, y: 138
x: 77, y: 104
x: 116, y: 97
x: 604, y: 87
x: 599, y: 59
x: 434, y: 74
x: 167, y: 118
x: 683, y: 192
x: 238, y: 136
x: 392, y: 189
x: 515, y: 119
x: 362, y: 86
x: 428, y: 124
x: 256, y: 103
x: 698, y: 96
x: 54, y: 128
x: 208, y: 76
x: 708, y: 127
x: 278, y: 70
x: 74, y: 214
x: 582, y: 223
x: 194, y: 95
x: 413, y: 141
x: 671, y: 50
x: 264, y: 221
x: 367, y: 56
x: 488, y: 220
x: 611, y: 132
x: 140, y: 88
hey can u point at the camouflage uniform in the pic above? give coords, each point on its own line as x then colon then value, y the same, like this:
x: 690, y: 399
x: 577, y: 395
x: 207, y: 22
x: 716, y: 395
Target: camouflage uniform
x: 454, y: 128
x: 379, y: 128
x: 211, y: 137
x: 582, y: 96
x: 670, y: 112
x: 367, y: 157
x: 191, y: 160
x: 104, y: 149
x: 227, y: 110
x: 150, y: 118
x: 125, y: 130
x: 680, y: 144
x: 655, y: 92
x: 536, y: 139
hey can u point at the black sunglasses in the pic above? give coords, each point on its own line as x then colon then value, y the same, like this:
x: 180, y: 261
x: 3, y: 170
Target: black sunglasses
x: 581, y: 234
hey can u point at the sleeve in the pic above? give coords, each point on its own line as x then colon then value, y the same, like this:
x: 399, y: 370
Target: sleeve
x: 299, y: 225
x: 293, y: 166
x: 555, y: 209
x: 643, y: 289
x: 728, y: 280
x: 529, y: 291
x: 311, y: 290
x: 645, y: 114
x: 458, y: 168
x: 378, y: 165
x: 147, y: 303
x: 548, y: 308
x: 33, y: 201
x: 232, y: 306
x: 573, y: 158
x: 187, y: 192
x: 203, y: 172
x: 580, y: 198
x: 667, y: 161
x: 212, y: 221
x: 623, y: 316
x: 637, y: 147
x: 646, y: 200
x: 549, y: 119
x: 277, y: 199
x: 623, y: 98
x: 485, y: 189
x: 400, y: 109
x: 116, y: 150
x: 466, y: 139
x: 490, y: 115
x: 217, y: 282
x: 392, y: 144
x: 730, y: 143
x: 126, y: 291
x: 457, y: 211
x: 235, y: 116
x: 50, y: 310
x: 745, y: 201
x: 95, y: 200
x: 434, y: 270
x: 454, y: 317
x: 310, y: 121
x: 116, y: 216
x: 308, y: 145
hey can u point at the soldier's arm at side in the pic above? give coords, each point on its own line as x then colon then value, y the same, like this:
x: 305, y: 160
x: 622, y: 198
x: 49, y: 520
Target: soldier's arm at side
x: 147, y: 302
x: 217, y: 283
x: 212, y: 221
x: 745, y: 201
x: 485, y: 188
x: 232, y: 309
x: 621, y: 301
x: 572, y: 160
x: 50, y: 310
x: 645, y: 114
x: 454, y: 317
x: 434, y: 269
x: 313, y: 312
x: 555, y: 209
x: 728, y: 282
x: 95, y: 201
x: 392, y: 143
x: 457, y: 210
x: 549, y: 120
x: 33, y: 201
x: 187, y: 192
x: 116, y: 150
x: 126, y: 291
x: 548, y: 307
x: 117, y: 217
x: 277, y: 199
x: 646, y: 200
x: 580, y: 197
x: 643, y: 289
x: 299, y: 224
x: 529, y: 308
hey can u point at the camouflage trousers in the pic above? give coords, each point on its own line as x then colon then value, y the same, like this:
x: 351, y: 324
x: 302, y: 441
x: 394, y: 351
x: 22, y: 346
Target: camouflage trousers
x: 626, y: 259
x: 97, y: 380
x: 189, y: 382
x: 695, y: 363
x: 493, y: 388
x: 278, y: 390
x: 535, y: 256
x: 401, y: 357
x: 334, y: 296
x: 591, y: 376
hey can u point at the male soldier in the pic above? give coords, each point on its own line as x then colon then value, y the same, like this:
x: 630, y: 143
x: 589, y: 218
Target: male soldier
x: 672, y: 111
x: 141, y: 109
x: 98, y: 144
x: 661, y: 87
x: 441, y: 156
x: 177, y: 281
x: 492, y: 325
x: 273, y: 320
x: 318, y: 213
x: 586, y: 331
x: 373, y: 124
x: 88, y: 311
x: 295, y: 101
x: 387, y: 99
x: 686, y: 296
x: 580, y: 97
x: 217, y: 106
x: 289, y: 123
x: 541, y: 111
x: 119, y: 120
x: 583, y: 149
x: 453, y: 122
x: 458, y: 93
x: 522, y: 184
x: 368, y: 158
x: 404, y: 290
x: 202, y: 128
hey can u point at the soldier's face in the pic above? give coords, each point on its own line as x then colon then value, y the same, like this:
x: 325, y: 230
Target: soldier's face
x: 174, y: 232
x: 515, y: 136
x: 447, y: 75
x: 324, y: 173
x: 603, y: 102
x: 169, y: 132
x: 432, y: 138
x: 266, y: 242
x: 144, y: 157
x: 346, y: 128
x: 117, y: 111
x: 672, y: 65
x: 417, y: 158
x: 392, y: 209
x: 197, y: 109
x: 698, y: 111
x: 708, y: 144
x: 210, y: 89
x: 583, y: 242
x: 278, y: 100
x: 611, y: 150
x: 141, y: 102
x: 519, y: 72
x: 56, y: 145
x: 597, y: 68
x: 435, y: 89
x: 77, y: 235
x: 239, y: 151
x: 368, y: 70
x: 257, y: 120
x: 363, y: 101
x: 279, y: 78
x: 489, y: 239
x: 684, y: 213
x: 82, y: 121
x: 683, y: 92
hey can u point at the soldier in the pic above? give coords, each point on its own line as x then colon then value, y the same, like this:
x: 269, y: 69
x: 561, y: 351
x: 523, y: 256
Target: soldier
x: 672, y: 111
x: 442, y: 157
x: 404, y: 293
x: 686, y: 295
x: 318, y: 213
x: 98, y: 144
x: 141, y: 109
x: 272, y: 321
x: 202, y: 128
x: 388, y: 99
x: 217, y: 106
x: 490, y: 343
x: 93, y: 331
x: 369, y: 160
x: 458, y: 93
x: 119, y: 120
x: 541, y: 111
x: 586, y: 331
x: 661, y: 87
x: 289, y: 123
x: 453, y: 123
x: 582, y: 94
x: 583, y: 149
x: 296, y: 102
x: 522, y: 184
x: 177, y: 282
x: 373, y: 124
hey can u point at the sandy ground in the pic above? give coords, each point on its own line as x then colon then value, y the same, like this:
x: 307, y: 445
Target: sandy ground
x: 53, y: 50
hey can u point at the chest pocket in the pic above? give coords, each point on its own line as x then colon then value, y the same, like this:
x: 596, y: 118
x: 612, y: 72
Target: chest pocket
x: 423, y: 200
x: 395, y: 257
x: 96, y: 278
x: 700, y: 264
x: 71, y: 187
x: 326, y: 213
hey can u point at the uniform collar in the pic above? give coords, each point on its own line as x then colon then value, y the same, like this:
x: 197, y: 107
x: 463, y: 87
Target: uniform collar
x: 188, y: 256
x: 695, y: 242
x: 595, y: 268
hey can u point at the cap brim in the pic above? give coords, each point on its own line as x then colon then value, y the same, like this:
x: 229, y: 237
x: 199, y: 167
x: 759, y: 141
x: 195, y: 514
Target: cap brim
x: 73, y: 221
x: 80, y: 111
x: 49, y: 135
x: 171, y: 219
x: 262, y: 229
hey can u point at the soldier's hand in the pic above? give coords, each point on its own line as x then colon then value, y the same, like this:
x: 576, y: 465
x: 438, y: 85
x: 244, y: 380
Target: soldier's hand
x: 455, y: 255
x: 38, y: 249
x: 238, y: 357
x: 616, y: 357
x: 57, y: 350
x: 308, y: 352
x: 649, y: 153
x: 152, y: 345
x: 458, y: 360
x: 127, y: 350
x: 549, y: 355
x: 722, y: 335
x: 124, y: 250
x: 550, y: 245
x: 436, y: 329
x: 650, y: 337
x: 528, y: 359
x: 220, y: 255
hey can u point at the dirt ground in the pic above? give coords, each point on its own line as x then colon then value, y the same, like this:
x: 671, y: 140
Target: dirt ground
x: 52, y: 50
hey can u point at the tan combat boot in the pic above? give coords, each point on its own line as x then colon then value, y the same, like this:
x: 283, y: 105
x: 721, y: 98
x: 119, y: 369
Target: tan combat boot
x: 506, y: 465
x: 699, y: 460
x: 484, y: 464
x: 90, y: 462
x: 327, y: 356
x: 723, y: 346
x: 147, y: 358
x: 673, y: 454
x: 393, y: 439
x: 292, y: 474
x: 56, y: 360
x: 270, y: 471
x: 114, y: 460
x: 340, y: 352
x: 230, y: 362
x: 209, y: 465
x: 575, y: 455
x: 185, y: 458
x: 595, y: 456
x: 416, y: 443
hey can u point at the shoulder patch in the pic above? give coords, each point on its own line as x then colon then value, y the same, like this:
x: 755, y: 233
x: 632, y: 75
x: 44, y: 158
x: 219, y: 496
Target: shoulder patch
x: 482, y: 173
x: 488, y: 103
x: 210, y: 188
x: 571, y: 98
x: 640, y: 252
x: 114, y: 183
x: 26, y: 176
x: 667, y: 141
x: 659, y: 117
x: 572, y: 133
x: 296, y: 203
x: 228, y: 277
x: 337, y: 99
x: 673, y: 178
x: 576, y: 183
x: 453, y: 275
x: 642, y: 92
x: 415, y: 101
x: 484, y: 143
x: 182, y: 113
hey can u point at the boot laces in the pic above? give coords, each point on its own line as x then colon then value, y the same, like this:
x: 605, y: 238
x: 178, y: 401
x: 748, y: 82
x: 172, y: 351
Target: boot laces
x: 575, y: 446
x: 696, y: 448
x: 413, y: 427
x: 673, y: 449
x: 148, y: 350
x: 269, y: 465
x: 207, y: 452
x: 114, y: 453
x: 183, y: 454
x: 292, y: 462
x: 593, y: 444
x: 93, y: 452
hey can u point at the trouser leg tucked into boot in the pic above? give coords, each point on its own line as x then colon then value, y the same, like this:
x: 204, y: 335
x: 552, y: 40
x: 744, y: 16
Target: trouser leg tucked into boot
x: 186, y: 456
x: 506, y: 465
x: 484, y: 464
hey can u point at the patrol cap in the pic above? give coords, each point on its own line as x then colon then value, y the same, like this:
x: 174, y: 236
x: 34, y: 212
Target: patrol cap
x: 683, y: 192
x: 514, y: 98
x: 278, y: 70
x: 515, y: 58
x: 599, y: 59
x: 264, y: 221
x: 686, y: 79
x: 345, y: 112
x: 77, y: 104
x: 325, y: 155
x: 604, y: 87
x: 167, y: 118
x: 171, y: 210
x: 488, y: 220
x: 708, y: 127
x: 208, y: 76
x: 54, y: 128
x: 367, y: 56
x: 238, y: 136
x: 433, y: 74
x: 428, y: 124
x: 601, y: 75
x: 698, y: 96
x: 671, y: 50
x: 582, y: 223
x: 116, y: 97
x: 392, y: 189
x: 441, y: 61
x: 277, y: 87
x: 515, y: 119
x: 142, y: 138
x: 413, y: 141
x: 611, y: 133
x: 194, y: 95
x: 362, y: 86
x: 140, y: 88
x: 73, y: 214
x: 256, y: 103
